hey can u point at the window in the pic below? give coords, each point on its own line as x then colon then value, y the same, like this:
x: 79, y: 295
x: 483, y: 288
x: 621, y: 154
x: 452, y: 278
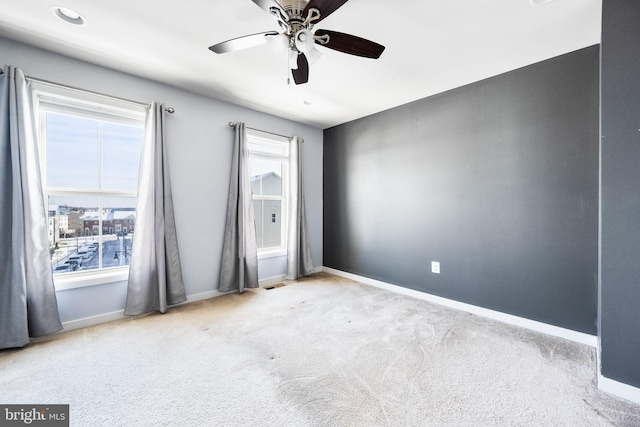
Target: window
x: 90, y: 148
x: 269, y: 169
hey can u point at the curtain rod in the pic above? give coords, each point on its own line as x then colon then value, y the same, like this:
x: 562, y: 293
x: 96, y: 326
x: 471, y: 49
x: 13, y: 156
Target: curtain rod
x: 232, y: 124
x: 169, y: 110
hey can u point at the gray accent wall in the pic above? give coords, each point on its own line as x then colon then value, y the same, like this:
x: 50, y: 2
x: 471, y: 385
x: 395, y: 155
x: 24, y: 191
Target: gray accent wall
x: 497, y: 181
x: 620, y: 184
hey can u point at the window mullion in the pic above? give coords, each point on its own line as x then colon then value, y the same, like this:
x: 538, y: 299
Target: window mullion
x: 101, y: 156
x: 276, y: 198
x: 284, y: 215
x: 101, y: 186
x: 100, y: 208
x: 267, y: 156
x: 43, y: 148
x: 88, y: 192
x: 262, y: 220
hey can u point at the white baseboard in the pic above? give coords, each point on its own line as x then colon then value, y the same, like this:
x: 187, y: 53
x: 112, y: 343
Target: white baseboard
x: 579, y: 337
x: 203, y: 296
x: 281, y: 278
x: 271, y: 280
x: 619, y: 389
x: 116, y: 315
x: 92, y: 321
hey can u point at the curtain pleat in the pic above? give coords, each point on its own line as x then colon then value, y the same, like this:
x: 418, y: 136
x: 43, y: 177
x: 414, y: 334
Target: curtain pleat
x: 239, y: 269
x: 28, y: 305
x: 298, y: 253
x: 155, y: 273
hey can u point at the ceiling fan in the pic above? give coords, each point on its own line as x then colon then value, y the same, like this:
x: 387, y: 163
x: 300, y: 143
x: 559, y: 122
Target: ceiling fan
x: 297, y: 19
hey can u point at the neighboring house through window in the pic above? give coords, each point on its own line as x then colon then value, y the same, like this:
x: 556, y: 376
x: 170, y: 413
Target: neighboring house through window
x: 90, y: 147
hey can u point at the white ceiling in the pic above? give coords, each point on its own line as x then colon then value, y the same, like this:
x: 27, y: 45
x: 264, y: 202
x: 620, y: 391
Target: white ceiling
x: 431, y: 46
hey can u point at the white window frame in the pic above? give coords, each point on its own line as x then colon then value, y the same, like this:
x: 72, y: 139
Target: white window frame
x: 49, y: 97
x: 269, y: 140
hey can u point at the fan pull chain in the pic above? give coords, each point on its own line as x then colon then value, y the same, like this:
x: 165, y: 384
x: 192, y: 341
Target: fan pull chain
x: 288, y: 67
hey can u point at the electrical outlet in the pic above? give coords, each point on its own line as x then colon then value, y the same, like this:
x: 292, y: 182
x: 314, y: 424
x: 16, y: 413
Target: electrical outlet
x: 435, y: 267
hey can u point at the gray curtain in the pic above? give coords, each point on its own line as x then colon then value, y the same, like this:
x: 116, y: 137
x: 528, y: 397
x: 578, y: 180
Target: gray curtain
x: 239, y: 268
x: 298, y: 253
x: 155, y: 273
x: 28, y: 305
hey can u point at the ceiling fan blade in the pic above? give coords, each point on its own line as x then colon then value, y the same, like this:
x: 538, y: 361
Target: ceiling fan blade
x: 301, y: 74
x: 243, y: 42
x: 347, y: 43
x: 326, y: 7
x: 268, y: 5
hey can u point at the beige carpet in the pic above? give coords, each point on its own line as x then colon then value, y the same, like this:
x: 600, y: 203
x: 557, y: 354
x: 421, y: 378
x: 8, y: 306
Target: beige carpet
x: 323, y: 351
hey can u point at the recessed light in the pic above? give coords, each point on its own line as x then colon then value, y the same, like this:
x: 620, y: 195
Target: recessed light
x: 68, y: 15
x: 539, y: 2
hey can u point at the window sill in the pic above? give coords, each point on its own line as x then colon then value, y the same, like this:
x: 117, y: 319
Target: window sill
x: 272, y: 253
x: 65, y: 282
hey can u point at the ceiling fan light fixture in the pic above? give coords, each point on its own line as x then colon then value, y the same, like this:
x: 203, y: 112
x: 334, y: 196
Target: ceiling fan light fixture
x: 293, y: 59
x: 68, y: 15
x: 304, y: 42
x: 313, y: 55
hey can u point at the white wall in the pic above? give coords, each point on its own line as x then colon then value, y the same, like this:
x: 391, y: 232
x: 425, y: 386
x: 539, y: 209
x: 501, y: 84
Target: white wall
x: 199, y: 142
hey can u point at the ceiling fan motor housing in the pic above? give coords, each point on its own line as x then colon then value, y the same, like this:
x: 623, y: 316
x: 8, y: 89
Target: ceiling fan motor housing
x: 294, y: 8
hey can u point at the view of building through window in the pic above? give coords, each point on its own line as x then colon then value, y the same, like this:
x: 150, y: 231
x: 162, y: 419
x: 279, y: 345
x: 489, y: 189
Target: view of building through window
x: 85, y: 237
x: 90, y: 164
